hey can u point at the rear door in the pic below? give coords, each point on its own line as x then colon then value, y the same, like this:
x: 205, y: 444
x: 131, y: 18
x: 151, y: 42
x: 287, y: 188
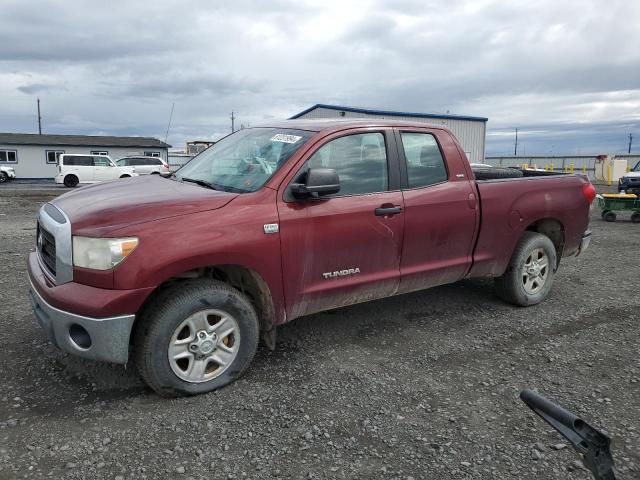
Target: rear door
x: 441, y: 210
x: 344, y: 248
x: 80, y: 166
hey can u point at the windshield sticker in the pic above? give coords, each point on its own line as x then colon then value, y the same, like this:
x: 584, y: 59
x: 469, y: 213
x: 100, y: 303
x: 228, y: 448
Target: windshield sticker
x: 281, y: 137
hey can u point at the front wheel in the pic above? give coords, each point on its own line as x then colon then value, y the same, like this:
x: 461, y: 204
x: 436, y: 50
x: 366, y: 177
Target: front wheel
x: 3, y: 177
x: 125, y: 176
x: 609, y: 216
x: 529, y: 276
x: 195, y: 338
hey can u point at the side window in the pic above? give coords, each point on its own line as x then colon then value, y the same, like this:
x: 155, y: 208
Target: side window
x: 360, y: 160
x: 425, y: 165
x: 53, y: 156
x: 78, y: 161
x: 122, y: 162
x: 99, y: 152
x: 101, y: 161
x: 152, y: 154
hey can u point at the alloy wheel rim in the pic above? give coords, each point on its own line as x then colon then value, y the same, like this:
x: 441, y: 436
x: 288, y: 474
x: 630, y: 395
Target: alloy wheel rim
x: 204, y: 345
x: 535, y: 271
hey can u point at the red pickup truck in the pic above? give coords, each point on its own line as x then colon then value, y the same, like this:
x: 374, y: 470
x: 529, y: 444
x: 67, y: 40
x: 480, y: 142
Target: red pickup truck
x: 280, y: 221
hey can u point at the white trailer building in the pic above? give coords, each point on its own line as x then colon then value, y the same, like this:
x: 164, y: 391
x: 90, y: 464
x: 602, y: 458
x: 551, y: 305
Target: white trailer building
x: 34, y: 156
x: 471, y: 131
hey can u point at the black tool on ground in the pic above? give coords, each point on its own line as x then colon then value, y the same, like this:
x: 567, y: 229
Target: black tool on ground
x: 592, y: 445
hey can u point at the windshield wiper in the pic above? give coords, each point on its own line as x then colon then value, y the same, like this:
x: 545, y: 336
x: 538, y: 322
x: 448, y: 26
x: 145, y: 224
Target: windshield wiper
x: 214, y: 186
x: 197, y: 181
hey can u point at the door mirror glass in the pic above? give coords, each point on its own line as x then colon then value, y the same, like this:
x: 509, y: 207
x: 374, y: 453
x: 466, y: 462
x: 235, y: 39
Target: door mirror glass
x: 322, y: 181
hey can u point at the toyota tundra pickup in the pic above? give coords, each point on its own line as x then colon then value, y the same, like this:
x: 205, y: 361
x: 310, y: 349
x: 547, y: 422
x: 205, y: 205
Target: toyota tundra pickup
x: 186, y: 274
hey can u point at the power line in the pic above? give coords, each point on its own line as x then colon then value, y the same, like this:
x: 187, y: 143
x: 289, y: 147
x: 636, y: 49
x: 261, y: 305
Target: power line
x: 169, y: 124
x: 39, y: 119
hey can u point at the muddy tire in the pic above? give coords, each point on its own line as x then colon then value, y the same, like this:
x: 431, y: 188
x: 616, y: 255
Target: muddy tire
x: 529, y: 276
x: 71, y: 181
x: 195, y: 337
x: 4, y: 177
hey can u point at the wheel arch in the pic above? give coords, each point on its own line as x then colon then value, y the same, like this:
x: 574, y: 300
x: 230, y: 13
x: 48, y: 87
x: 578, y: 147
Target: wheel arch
x: 245, y: 280
x: 554, y: 230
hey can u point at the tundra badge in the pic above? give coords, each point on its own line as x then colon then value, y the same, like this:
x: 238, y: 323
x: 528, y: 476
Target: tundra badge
x: 341, y: 273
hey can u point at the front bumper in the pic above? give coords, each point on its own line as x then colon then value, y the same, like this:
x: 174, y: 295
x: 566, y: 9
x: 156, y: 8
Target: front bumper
x: 105, y: 339
x: 584, y: 243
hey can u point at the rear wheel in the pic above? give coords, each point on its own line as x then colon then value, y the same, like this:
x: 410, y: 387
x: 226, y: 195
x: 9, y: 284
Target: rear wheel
x: 635, y: 217
x: 3, y: 177
x: 529, y: 276
x: 196, y: 337
x: 71, y: 181
x: 609, y: 216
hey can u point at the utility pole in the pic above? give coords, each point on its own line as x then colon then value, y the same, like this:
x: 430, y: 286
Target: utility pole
x: 515, y: 149
x: 39, y: 119
x: 630, y: 140
x: 233, y: 120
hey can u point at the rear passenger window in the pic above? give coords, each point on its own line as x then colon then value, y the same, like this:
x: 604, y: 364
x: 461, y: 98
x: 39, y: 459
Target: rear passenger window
x: 78, y: 161
x: 425, y: 165
x: 360, y: 160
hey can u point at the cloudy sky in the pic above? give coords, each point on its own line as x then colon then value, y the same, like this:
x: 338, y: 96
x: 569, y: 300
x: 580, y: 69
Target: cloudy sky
x: 566, y: 73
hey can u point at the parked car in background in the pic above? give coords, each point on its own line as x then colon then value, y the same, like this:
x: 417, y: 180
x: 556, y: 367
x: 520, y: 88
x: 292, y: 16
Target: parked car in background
x: 145, y: 165
x: 273, y: 223
x: 6, y: 174
x: 76, y: 168
x: 630, y: 181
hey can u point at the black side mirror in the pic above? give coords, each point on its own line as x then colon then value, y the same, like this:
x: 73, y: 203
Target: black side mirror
x: 323, y: 181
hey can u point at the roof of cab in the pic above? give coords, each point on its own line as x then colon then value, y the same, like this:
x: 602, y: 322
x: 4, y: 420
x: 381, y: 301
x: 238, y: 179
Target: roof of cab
x: 318, y: 125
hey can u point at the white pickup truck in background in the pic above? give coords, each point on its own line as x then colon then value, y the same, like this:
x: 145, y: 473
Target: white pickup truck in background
x: 74, y: 169
x: 6, y: 174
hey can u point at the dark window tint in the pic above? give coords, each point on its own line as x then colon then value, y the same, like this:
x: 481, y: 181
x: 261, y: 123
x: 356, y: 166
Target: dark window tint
x: 78, y: 161
x: 360, y: 160
x: 151, y: 154
x: 425, y: 165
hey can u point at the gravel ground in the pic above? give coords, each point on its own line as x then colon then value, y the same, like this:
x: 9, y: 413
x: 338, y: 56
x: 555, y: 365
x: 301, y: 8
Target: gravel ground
x: 423, y: 385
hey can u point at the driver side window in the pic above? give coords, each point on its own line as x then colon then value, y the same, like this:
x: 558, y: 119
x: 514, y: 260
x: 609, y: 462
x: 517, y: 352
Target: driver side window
x: 360, y: 160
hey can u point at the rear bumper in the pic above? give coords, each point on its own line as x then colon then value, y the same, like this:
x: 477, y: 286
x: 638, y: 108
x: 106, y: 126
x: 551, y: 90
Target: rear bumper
x: 584, y: 243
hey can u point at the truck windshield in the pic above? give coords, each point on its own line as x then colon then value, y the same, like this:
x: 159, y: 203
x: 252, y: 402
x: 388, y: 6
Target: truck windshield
x: 245, y: 160
x: 637, y: 167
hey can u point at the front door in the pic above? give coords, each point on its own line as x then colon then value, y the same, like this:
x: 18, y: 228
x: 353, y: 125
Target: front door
x: 344, y: 248
x: 103, y: 168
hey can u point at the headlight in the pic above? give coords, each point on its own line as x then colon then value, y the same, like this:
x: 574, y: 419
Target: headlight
x: 101, y: 253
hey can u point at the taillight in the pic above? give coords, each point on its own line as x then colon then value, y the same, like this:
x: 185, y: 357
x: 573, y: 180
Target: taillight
x: 589, y: 192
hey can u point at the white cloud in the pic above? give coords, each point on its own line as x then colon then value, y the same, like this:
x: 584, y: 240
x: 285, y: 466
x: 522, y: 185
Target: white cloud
x: 117, y: 66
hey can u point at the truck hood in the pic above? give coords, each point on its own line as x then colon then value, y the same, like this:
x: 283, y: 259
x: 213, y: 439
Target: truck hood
x: 631, y: 175
x: 98, y: 209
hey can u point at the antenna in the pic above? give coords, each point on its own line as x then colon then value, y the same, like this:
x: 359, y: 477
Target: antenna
x: 169, y: 124
x: 40, y: 120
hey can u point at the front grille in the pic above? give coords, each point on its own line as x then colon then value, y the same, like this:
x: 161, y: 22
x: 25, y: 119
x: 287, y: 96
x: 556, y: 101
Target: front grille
x: 47, y: 249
